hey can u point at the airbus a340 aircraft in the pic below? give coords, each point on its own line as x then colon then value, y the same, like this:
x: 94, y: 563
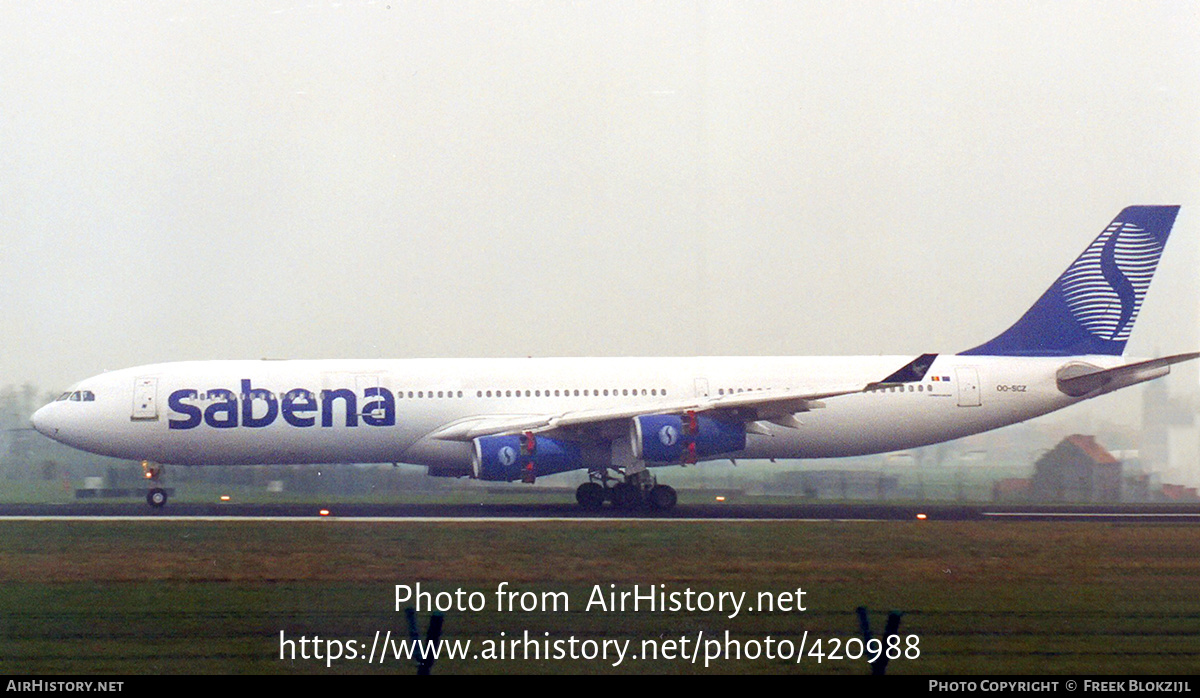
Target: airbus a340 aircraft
x: 517, y: 419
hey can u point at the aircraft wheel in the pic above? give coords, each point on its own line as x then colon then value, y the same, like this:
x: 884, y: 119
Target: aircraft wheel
x: 156, y: 497
x: 663, y: 497
x: 590, y: 496
x: 624, y: 495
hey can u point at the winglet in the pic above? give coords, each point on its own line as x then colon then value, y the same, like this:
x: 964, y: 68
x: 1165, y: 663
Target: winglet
x: 1091, y: 308
x: 913, y: 372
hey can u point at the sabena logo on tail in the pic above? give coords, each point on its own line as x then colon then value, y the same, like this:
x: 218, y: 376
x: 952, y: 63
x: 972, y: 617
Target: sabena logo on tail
x: 1091, y: 308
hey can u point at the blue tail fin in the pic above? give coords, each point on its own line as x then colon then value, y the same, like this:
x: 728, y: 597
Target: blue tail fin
x: 1092, y: 306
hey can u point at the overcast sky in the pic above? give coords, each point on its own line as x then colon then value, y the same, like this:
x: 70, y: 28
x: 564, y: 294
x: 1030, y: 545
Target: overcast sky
x: 388, y: 179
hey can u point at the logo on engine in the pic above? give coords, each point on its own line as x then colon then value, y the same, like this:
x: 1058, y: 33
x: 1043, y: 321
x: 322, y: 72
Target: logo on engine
x: 507, y: 455
x: 668, y: 435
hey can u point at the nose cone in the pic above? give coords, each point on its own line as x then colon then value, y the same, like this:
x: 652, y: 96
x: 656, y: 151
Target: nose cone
x: 42, y: 421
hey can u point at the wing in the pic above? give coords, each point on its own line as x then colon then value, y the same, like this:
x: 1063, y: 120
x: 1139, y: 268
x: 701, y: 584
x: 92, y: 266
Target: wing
x: 775, y: 406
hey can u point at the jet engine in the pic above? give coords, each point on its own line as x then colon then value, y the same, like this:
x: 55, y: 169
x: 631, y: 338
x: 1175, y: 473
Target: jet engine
x: 523, y: 457
x: 686, y: 438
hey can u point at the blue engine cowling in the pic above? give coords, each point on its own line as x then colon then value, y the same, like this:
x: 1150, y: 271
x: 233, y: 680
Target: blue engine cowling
x: 506, y: 458
x: 668, y: 438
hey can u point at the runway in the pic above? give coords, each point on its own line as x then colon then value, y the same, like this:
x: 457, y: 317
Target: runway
x: 564, y: 512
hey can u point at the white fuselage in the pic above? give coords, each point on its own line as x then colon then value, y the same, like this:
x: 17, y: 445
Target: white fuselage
x: 367, y: 411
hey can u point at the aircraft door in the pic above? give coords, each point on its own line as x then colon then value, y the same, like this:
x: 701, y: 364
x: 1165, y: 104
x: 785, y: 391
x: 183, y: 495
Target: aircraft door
x: 968, y: 386
x: 362, y: 382
x: 701, y: 387
x: 145, y: 399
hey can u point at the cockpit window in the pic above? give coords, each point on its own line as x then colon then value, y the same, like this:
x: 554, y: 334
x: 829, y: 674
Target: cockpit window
x: 62, y: 397
x: 78, y: 396
x: 88, y: 396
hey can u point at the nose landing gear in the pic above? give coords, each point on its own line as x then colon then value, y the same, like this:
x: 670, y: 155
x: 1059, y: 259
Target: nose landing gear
x: 156, y: 496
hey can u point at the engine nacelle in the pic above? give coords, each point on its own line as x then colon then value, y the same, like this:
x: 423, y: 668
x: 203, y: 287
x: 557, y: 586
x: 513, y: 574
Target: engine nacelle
x: 507, y: 458
x: 672, y: 438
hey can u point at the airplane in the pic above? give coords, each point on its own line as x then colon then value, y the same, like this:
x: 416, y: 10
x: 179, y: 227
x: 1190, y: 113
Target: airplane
x: 618, y: 418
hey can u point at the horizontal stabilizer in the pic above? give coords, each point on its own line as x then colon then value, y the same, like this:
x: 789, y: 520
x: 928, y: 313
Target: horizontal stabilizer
x: 1079, y: 379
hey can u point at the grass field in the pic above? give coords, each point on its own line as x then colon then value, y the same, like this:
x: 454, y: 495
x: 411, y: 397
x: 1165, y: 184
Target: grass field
x: 174, y: 596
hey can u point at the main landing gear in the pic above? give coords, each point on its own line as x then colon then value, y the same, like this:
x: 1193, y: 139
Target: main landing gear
x: 156, y: 496
x: 627, y: 491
